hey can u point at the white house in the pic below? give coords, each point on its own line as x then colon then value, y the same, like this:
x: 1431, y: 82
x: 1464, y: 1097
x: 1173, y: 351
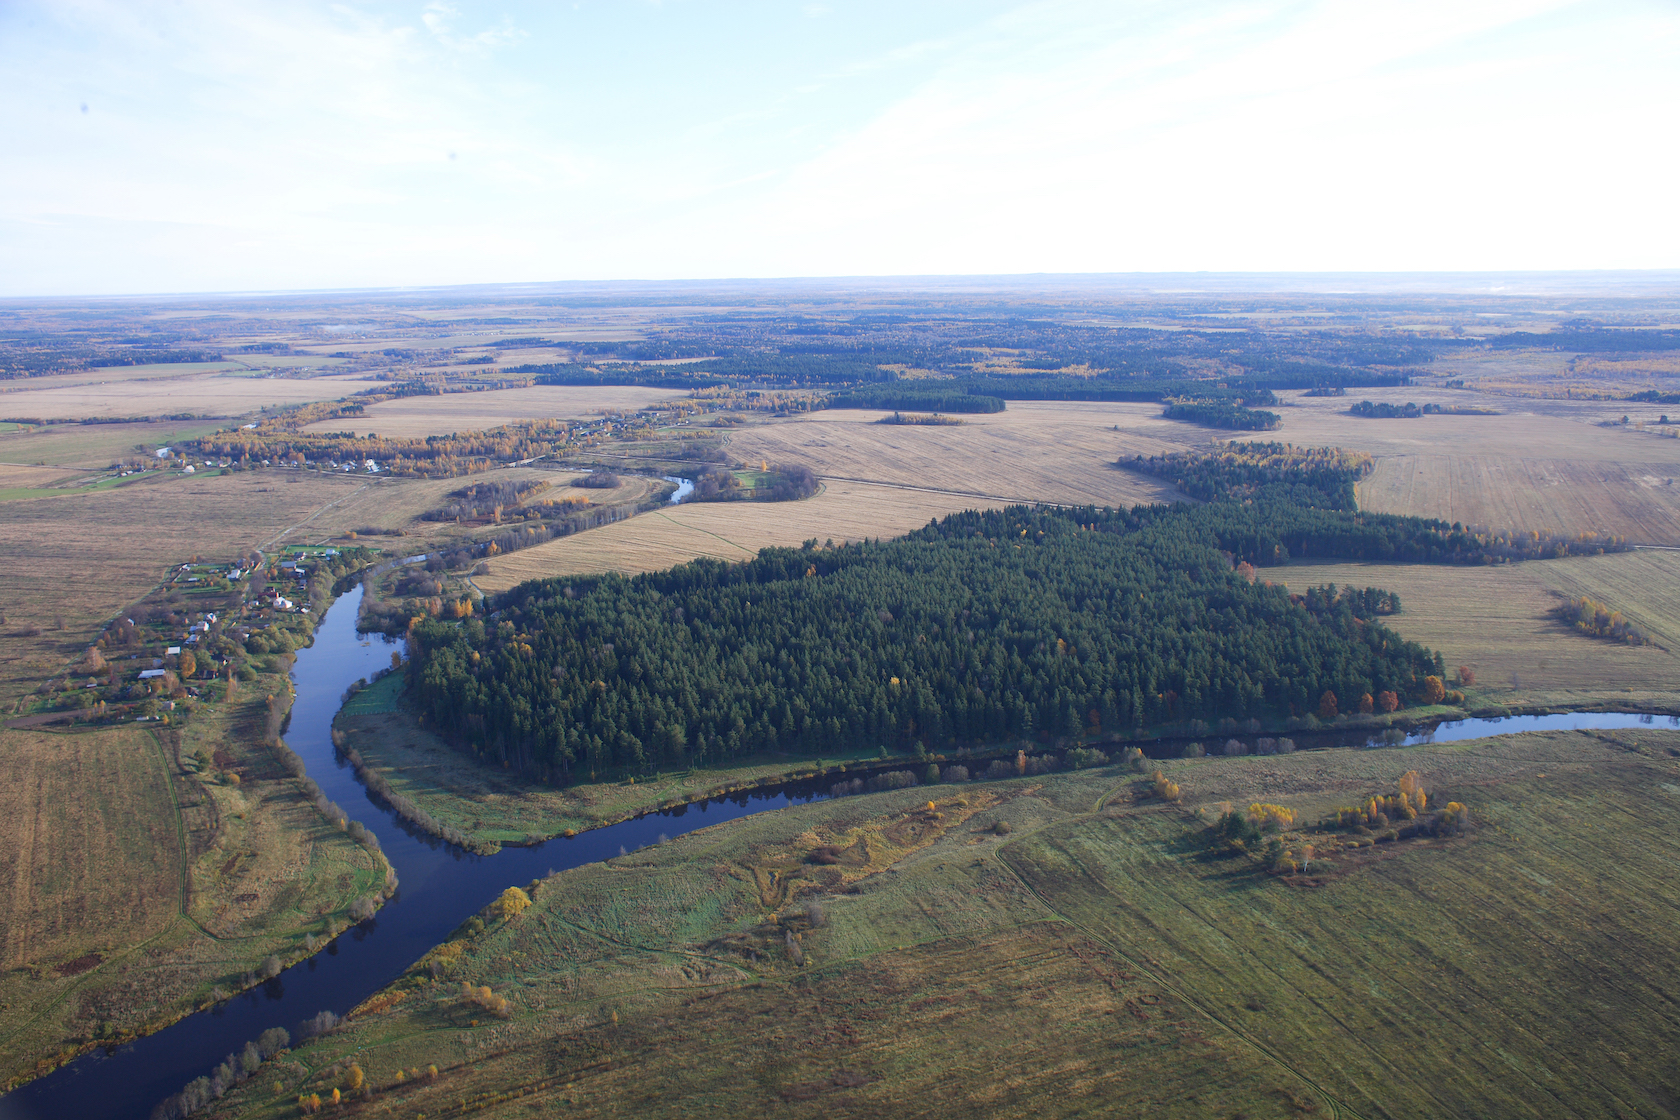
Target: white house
x: 148, y: 674
x: 163, y: 453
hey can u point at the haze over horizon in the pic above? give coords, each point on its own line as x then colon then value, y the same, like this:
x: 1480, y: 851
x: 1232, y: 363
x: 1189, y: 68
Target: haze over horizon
x: 200, y: 147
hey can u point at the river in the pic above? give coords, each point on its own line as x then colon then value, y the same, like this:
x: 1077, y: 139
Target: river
x: 441, y: 885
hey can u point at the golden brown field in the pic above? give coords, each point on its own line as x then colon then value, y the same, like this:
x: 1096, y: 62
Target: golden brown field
x: 208, y: 394
x: 465, y: 412
x: 1540, y: 465
x: 1498, y: 621
x: 726, y: 531
x: 1048, y: 451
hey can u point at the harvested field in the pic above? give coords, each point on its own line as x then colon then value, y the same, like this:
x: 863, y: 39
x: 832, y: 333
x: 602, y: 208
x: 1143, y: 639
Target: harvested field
x: 1033, y: 451
x: 1424, y: 977
x: 1541, y: 465
x: 1644, y: 585
x: 466, y: 412
x: 87, y: 858
x: 1638, y: 501
x: 208, y: 394
x: 1498, y: 621
x: 727, y: 531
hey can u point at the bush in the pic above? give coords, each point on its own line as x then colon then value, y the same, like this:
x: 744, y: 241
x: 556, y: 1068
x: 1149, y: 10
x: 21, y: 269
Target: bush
x: 954, y: 774
x: 1083, y: 758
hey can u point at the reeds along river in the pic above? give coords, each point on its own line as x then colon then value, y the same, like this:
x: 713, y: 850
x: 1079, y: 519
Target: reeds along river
x: 442, y: 885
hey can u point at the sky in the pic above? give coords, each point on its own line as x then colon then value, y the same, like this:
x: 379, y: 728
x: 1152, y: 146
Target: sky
x: 202, y: 145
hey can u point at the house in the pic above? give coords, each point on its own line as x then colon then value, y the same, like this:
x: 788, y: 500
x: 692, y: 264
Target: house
x: 148, y: 674
x: 188, y: 468
x: 172, y: 651
x: 163, y: 453
x: 282, y: 604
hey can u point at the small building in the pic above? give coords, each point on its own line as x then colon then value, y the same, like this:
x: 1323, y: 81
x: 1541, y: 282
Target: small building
x: 172, y: 651
x: 148, y: 674
x: 163, y: 453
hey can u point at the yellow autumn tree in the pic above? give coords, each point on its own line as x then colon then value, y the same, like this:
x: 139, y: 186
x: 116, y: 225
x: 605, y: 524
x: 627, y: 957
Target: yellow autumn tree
x: 512, y: 902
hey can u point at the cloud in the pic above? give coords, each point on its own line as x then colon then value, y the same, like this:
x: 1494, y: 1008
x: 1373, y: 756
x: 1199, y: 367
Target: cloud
x: 440, y: 18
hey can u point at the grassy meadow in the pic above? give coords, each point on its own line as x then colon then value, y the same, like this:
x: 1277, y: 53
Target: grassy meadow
x: 1066, y: 944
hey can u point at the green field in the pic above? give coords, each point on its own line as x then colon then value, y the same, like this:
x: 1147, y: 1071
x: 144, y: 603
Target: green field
x: 1100, y: 956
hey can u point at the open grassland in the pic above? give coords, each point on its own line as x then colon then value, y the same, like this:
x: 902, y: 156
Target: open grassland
x: 95, y: 446
x: 1033, y: 451
x: 135, y: 887
x: 726, y: 531
x: 466, y: 412
x: 1099, y: 958
x: 209, y: 394
x: 1498, y: 621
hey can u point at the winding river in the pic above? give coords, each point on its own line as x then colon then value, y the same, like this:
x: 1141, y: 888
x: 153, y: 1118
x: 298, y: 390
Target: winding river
x: 440, y: 886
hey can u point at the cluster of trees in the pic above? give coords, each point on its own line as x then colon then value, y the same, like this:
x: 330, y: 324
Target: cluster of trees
x: 932, y: 421
x: 1384, y: 411
x: 986, y: 626
x: 420, y: 457
x: 1406, y: 811
x: 483, y: 999
x: 787, y: 483
x: 483, y: 500
x: 1238, y: 471
x: 928, y: 396
x: 1221, y: 414
x: 1589, y: 616
x: 597, y: 480
x: 236, y: 1068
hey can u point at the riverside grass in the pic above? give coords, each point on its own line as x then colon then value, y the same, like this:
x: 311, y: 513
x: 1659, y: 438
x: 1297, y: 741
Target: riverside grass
x: 1518, y: 969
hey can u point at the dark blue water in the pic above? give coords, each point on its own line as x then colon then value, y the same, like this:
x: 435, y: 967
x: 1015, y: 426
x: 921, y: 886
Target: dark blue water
x: 441, y: 886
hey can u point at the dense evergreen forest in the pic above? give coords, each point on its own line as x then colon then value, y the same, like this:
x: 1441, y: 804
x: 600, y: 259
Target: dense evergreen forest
x: 1222, y: 414
x: 1043, y: 624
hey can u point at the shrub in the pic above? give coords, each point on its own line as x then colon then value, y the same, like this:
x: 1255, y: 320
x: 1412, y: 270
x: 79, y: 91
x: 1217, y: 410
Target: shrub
x: 1194, y: 750
x: 1164, y: 788
x: 1234, y: 747
x: 1082, y: 758
x: 484, y: 998
x: 954, y: 774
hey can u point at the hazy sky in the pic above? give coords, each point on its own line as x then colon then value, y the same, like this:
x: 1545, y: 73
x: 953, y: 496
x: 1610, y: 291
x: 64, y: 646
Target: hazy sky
x: 212, y: 145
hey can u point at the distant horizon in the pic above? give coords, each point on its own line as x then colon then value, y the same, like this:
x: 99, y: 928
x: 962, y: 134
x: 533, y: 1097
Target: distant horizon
x: 1201, y: 281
